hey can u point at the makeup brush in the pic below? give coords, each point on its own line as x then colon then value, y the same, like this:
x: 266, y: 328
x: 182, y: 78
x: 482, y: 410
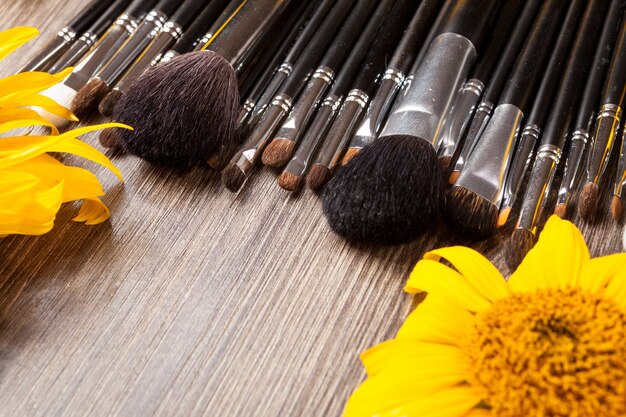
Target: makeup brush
x: 66, y: 36
x: 294, y: 173
x: 185, y: 110
x: 242, y: 163
x: 89, y: 37
x: 281, y: 149
x: 496, y: 84
x: 355, y: 103
x: 395, y: 75
x: 457, y: 122
x: 557, y: 131
x: 607, y: 130
x: 473, y: 202
x: 540, y: 109
x: 63, y: 93
x: 391, y: 191
x: 586, y: 113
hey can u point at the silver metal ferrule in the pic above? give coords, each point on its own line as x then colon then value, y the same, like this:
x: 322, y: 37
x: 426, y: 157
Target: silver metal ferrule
x: 607, y: 129
x: 477, y: 127
x: 127, y: 22
x: 244, y: 111
x: 67, y: 33
x: 173, y: 29
x: 422, y: 106
x: 620, y: 178
x: 167, y: 57
x: 157, y: 19
x: 519, y: 166
x: 285, y: 68
x: 459, y: 117
x: 88, y: 38
x: 573, y: 166
x: 485, y: 170
x: 548, y: 157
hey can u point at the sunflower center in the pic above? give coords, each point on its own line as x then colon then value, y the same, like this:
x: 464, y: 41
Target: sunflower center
x: 551, y: 353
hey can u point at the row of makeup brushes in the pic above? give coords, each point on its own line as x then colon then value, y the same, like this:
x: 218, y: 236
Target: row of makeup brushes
x: 376, y: 104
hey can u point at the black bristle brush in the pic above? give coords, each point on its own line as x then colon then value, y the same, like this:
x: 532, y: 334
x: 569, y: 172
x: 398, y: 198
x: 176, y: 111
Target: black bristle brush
x: 392, y: 190
x: 583, y: 126
x: 64, y: 39
x: 284, y: 144
x: 292, y: 177
x: 607, y: 131
x: 89, y: 37
x: 496, y: 84
x: 557, y: 131
x: 185, y: 110
x: 472, y: 204
x: 357, y: 99
x: 243, y: 162
x: 542, y: 105
x: 394, y: 76
x: 186, y: 22
x: 89, y: 96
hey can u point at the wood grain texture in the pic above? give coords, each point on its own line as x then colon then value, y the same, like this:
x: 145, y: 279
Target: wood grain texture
x: 192, y: 301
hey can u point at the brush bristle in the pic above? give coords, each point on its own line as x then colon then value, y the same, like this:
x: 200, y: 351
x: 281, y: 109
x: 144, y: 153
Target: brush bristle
x: 617, y: 208
x: 88, y: 97
x: 518, y: 246
x: 288, y: 181
x: 233, y: 178
x: 390, y: 193
x: 454, y: 176
x: 318, y: 177
x: 588, y: 201
x: 561, y: 210
x: 503, y: 217
x: 444, y: 163
x: 63, y: 95
x: 469, y: 214
x: 278, y: 153
x: 108, y: 103
x: 110, y: 138
x: 183, y: 111
x: 349, y: 155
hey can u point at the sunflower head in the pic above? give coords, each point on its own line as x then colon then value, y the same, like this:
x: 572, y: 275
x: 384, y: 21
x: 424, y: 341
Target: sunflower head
x: 550, y: 341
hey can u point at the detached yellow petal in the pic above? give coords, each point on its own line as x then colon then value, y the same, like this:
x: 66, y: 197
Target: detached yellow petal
x: 13, y: 38
x: 33, y: 214
x: 92, y: 212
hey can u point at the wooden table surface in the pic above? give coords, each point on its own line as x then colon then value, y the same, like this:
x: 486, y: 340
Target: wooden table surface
x: 192, y: 300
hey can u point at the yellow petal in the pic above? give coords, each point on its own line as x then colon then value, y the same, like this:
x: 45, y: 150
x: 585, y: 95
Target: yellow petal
x: 453, y: 402
x: 435, y: 278
x: 92, y: 212
x: 35, y: 216
x: 616, y: 288
x: 9, y: 116
x: 38, y: 100
x: 13, y: 38
x: 479, y: 272
x: 29, y: 83
x: 479, y: 412
x: 598, y: 272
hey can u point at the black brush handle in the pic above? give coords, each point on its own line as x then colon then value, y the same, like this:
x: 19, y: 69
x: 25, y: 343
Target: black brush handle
x: 314, y: 51
x: 513, y: 47
x: 530, y: 64
x: 310, y: 30
x: 88, y: 15
x: 200, y: 25
x: 600, y: 67
x: 470, y: 18
x: 107, y: 19
x: 615, y: 86
x: 187, y: 11
x: 167, y: 7
x: 554, y: 70
x: 138, y: 8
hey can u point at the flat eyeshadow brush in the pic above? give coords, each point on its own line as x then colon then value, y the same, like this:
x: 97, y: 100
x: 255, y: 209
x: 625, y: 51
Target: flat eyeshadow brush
x: 586, y: 113
x: 281, y: 149
x: 557, y: 130
x: 394, y: 77
x: 64, y: 92
x: 541, y: 108
x: 392, y: 190
x: 292, y: 177
x: 185, y: 110
x: 461, y: 113
x: 496, y: 84
x: 89, y: 96
x: 607, y: 129
x: 66, y: 36
x: 472, y: 204
x: 357, y: 99
x: 243, y: 162
x: 84, y: 43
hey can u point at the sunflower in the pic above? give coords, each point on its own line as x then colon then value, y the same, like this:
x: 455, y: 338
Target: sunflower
x: 550, y: 341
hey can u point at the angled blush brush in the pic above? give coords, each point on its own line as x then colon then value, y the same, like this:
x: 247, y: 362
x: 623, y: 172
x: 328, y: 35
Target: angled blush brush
x: 583, y: 126
x: 472, y: 204
x: 496, y: 84
x: 541, y: 107
x: 67, y: 35
x: 394, y: 76
x: 84, y: 43
x: 243, y: 162
x: 607, y: 129
x: 185, y: 110
x: 292, y: 177
x: 391, y: 191
x: 355, y: 103
x: 557, y: 130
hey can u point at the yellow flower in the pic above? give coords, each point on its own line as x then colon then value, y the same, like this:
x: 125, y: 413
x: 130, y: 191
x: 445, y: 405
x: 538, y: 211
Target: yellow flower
x: 549, y: 342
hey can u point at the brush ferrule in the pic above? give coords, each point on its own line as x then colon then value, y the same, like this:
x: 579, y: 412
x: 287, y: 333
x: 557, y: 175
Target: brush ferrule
x: 459, y: 117
x: 67, y: 34
x: 485, y: 170
x: 572, y: 166
x: 325, y: 74
x: 424, y: 102
x: 285, y: 68
x: 395, y: 76
x: 358, y: 97
x: 519, y: 166
x: 246, y: 108
x: 607, y: 129
x: 167, y: 57
x: 476, y: 128
x: 51, y: 52
x: 270, y: 91
x: 284, y: 102
x: 127, y: 22
x: 88, y: 38
x: 156, y: 21
x: 620, y: 178
x: 173, y: 29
